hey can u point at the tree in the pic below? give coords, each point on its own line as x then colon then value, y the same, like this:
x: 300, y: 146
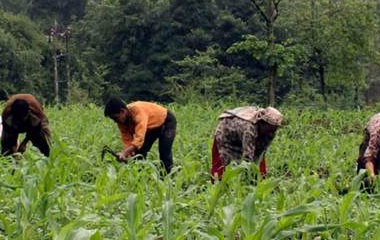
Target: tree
x: 15, y: 6
x: 138, y: 42
x: 269, y: 16
x: 23, y: 50
x: 276, y: 57
x: 340, y: 41
x: 62, y: 11
x: 203, y: 76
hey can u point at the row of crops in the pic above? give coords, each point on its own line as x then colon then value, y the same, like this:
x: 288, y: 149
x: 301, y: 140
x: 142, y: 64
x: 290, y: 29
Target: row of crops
x: 312, y: 190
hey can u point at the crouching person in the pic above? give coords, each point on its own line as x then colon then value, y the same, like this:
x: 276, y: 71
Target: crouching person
x: 141, y: 124
x: 24, y: 114
x: 369, y: 149
x: 244, y: 133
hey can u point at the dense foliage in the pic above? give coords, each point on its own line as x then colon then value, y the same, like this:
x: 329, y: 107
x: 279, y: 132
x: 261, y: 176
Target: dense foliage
x: 300, y: 52
x: 312, y: 190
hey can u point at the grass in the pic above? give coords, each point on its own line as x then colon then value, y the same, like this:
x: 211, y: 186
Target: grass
x: 75, y: 195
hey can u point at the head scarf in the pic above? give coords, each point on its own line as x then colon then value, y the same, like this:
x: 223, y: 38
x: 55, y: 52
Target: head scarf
x: 254, y: 114
x: 273, y: 117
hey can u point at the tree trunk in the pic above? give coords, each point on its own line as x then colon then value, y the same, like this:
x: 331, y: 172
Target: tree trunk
x: 317, y: 58
x: 271, y: 86
x: 271, y: 13
x: 357, y: 95
x: 55, y: 65
x: 56, y: 81
x: 366, y: 95
x: 68, y: 72
x: 322, y: 81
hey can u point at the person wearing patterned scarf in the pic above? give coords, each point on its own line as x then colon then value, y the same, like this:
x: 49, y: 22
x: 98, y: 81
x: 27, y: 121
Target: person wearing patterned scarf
x: 369, y: 149
x: 244, y: 133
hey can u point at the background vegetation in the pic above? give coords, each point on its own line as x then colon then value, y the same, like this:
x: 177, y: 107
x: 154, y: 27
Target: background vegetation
x: 312, y: 190
x: 303, y: 52
x: 222, y: 53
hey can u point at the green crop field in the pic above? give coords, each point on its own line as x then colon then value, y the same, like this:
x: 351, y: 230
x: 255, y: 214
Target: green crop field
x: 312, y: 190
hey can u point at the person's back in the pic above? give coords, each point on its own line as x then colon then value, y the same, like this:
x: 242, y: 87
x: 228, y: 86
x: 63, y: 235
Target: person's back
x: 369, y: 149
x: 34, y: 106
x: 24, y: 114
x: 141, y: 124
x: 244, y: 133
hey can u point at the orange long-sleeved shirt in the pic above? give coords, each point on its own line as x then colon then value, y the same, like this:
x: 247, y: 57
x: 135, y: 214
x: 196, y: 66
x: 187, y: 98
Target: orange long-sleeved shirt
x: 145, y: 116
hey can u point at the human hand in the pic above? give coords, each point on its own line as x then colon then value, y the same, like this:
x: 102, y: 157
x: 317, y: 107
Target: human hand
x: 370, y: 166
x: 129, y: 151
x: 373, y: 176
x: 121, y: 157
x: 126, y: 153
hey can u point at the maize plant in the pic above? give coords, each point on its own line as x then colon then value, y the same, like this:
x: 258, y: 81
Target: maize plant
x: 312, y: 190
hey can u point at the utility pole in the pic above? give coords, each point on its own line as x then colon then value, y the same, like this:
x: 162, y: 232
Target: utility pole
x: 52, y: 39
x: 55, y: 35
x: 66, y: 36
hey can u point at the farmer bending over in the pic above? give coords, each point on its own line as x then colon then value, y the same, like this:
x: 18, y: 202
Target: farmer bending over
x: 244, y: 133
x: 24, y: 114
x: 369, y: 149
x: 140, y: 124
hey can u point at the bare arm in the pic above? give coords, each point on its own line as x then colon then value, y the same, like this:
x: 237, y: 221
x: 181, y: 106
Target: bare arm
x: 370, y: 168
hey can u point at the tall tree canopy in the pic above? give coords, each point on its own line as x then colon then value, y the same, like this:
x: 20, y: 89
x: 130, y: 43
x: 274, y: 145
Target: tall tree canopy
x: 263, y: 51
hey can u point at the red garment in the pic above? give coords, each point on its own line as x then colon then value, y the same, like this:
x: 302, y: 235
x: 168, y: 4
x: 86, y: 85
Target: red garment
x: 263, y: 168
x: 217, y: 168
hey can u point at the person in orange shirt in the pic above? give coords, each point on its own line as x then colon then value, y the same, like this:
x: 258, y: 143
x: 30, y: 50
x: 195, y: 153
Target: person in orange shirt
x: 24, y: 114
x: 141, y: 124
